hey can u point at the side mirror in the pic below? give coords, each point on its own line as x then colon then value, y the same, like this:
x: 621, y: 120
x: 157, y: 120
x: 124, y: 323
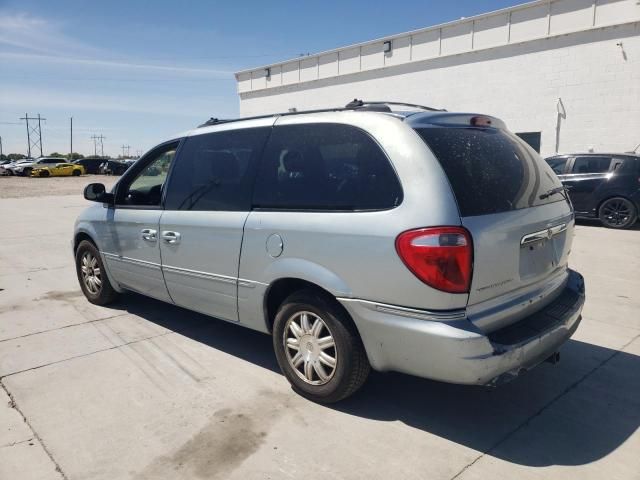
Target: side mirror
x: 96, y: 192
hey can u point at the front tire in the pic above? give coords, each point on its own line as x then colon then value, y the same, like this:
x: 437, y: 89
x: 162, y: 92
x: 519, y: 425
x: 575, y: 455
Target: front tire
x: 45, y: 173
x: 318, y: 347
x: 91, y: 274
x: 618, y: 212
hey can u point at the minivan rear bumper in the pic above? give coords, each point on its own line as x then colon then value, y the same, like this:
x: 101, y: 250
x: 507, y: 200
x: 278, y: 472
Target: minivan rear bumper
x: 453, y: 350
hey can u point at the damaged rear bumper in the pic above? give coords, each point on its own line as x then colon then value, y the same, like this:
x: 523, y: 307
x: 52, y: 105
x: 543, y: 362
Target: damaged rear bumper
x: 454, y: 351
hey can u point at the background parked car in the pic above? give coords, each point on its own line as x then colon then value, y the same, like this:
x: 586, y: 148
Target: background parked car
x: 59, y: 170
x: 7, y: 168
x: 25, y: 168
x: 91, y: 164
x: 601, y: 185
x: 115, y: 167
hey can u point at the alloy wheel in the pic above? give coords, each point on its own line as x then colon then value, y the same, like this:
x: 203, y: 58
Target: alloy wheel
x: 91, y: 274
x: 310, y: 348
x: 616, y: 212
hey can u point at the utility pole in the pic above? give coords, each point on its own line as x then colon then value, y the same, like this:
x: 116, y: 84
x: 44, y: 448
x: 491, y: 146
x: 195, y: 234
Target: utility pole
x: 40, y: 134
x: 71, y: 139
x: 125, y: 147
x: 95, y: 145
x: 0, y: 147
x: 34, y: 133
x: 95, y: 139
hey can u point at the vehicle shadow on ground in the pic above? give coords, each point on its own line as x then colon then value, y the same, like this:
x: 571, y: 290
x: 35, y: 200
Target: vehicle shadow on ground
x: 591, y: 399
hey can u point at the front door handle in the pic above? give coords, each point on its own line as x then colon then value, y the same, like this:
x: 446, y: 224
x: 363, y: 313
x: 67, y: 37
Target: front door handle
x: 171, y: 237
x: 149, y: 234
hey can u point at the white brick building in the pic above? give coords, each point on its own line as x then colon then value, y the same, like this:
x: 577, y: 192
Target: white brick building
x: 565, y: 71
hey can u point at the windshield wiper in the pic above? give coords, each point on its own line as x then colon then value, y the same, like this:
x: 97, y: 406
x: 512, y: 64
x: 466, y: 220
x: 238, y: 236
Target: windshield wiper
x: 562, y: 190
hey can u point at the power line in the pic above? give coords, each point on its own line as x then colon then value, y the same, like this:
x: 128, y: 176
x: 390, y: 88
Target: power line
x: 125, y: 147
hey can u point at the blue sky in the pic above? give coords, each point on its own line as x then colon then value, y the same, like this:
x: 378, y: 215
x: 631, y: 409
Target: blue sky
x: 138, y: 71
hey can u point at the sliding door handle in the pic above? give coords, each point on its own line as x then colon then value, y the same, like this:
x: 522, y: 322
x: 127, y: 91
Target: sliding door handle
x: 149, y: 234
x: 171, y: 237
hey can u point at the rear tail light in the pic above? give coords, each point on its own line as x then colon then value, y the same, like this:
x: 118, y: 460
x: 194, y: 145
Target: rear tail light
x: 440, y: 256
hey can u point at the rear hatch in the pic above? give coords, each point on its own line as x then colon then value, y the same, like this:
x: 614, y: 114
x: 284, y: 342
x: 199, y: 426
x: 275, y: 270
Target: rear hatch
x: 513, y: 205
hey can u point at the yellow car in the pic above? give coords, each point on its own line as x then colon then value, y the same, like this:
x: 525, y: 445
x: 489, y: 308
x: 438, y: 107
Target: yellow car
x: 59, y: 170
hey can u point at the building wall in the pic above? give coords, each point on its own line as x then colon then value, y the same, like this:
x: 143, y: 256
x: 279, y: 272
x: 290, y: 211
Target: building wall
x: 597, y: 79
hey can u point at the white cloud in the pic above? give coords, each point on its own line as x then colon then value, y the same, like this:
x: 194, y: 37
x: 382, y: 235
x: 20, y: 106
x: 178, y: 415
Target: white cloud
x: 168, y: 69
x: 39, y: 35
x: 36, y: 40
x: 17, y: 97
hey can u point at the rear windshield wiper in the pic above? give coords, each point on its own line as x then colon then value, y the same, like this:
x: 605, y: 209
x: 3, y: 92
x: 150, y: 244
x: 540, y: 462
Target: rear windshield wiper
x: 562, y: 190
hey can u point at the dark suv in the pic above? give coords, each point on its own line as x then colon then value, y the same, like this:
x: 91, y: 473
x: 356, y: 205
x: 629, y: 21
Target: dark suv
x: 601, y: 185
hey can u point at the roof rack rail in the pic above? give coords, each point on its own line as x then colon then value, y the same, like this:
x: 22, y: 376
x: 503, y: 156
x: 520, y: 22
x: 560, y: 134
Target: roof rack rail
x: 353, y: 105
x: 364, y: 104
x: 214, y: 121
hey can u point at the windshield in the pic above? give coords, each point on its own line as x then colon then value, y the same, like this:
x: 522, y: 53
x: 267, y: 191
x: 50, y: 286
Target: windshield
x: 491, y: 170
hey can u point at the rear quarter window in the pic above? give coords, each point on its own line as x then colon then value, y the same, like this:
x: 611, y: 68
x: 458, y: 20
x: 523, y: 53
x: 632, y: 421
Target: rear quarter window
x: 490, y: 170
x: 325, y: 167
x: 591, y: 164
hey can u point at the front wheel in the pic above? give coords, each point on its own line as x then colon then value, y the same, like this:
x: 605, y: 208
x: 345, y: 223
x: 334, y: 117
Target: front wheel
x: 318, y: 347
x: 618, y: 212
x: 93, y: 280
x: 44, y: 173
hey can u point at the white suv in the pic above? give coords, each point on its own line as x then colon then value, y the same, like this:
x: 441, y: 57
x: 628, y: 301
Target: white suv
x: 24, y: 168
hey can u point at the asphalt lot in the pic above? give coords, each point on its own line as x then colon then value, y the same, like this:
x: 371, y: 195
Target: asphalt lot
x: 144, y: 390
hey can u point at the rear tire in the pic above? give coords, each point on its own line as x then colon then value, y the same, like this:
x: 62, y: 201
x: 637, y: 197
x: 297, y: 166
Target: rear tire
x: 318, y: 347
x: 92, y: 276
x: 618, y: 213
x: 76, y: 173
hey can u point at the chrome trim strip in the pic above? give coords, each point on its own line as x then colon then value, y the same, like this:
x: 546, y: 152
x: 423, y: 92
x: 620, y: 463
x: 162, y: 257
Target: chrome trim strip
x: 195, y: 273
x: 133, y: 261
x: 438, y: 316
x: 545, y: 234
x: 244, y: 282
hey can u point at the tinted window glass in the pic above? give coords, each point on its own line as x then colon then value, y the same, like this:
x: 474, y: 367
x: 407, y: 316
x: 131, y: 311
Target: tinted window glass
x: 325, y: 167
x: 557, y: 164
x: 490, y: 170
x: 215, y: 171
x: 591, y: 164
x: 532, y: 139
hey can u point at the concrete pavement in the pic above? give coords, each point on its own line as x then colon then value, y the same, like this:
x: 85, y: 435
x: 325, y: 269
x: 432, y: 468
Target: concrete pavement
x: 144, y: 390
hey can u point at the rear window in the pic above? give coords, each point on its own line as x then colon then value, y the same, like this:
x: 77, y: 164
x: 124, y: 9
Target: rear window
x: 490, y: 170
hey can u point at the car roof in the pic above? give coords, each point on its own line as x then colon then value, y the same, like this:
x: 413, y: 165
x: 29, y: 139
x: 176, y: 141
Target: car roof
x: 415, y: 115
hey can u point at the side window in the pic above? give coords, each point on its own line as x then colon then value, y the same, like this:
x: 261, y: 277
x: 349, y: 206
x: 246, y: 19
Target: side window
x: 215, y: 171
x: 557, y: 164
x: 325, y: 167
x: 146, y: 187
x: 591, y: 164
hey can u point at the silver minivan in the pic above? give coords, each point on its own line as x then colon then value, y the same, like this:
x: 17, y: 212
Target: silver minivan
x: 384, y: 236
